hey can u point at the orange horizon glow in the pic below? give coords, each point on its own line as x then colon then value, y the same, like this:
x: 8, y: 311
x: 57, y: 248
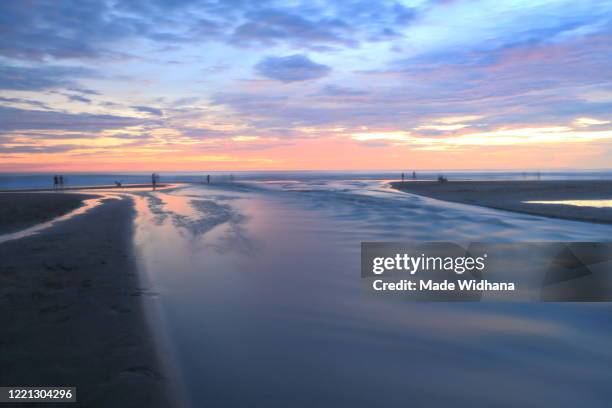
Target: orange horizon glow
x: 463, y: 147
x: 390, y: 150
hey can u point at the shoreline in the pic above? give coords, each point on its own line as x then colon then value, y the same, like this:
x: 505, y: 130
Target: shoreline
x: 511, y: 196
x: 74, y: 313
x: 19, y: 210
x: 76, y: 188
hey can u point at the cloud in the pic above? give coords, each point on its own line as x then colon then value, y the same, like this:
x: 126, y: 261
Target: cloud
x: 453, y: 120
x: 585, y: 122
x: 55, y: 134
x: 38, y: 149
x: 274, y: 25
x: 291, y: 69
x: 335, y: 90
x: 77, y: 98
x: 22, y: 119
x: 67, y: 29
x: 527, y: 85
x: 84, y: 91
x: 24, y: 101
x: 148, y: 109
x: 74, y: 29
x: 40, y: 78
x: 185, y: 101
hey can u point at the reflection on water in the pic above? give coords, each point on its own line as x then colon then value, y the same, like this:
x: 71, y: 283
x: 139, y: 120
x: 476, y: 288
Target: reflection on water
x: 577, y: 203
x: 260, y: 292
x: 100, y: 195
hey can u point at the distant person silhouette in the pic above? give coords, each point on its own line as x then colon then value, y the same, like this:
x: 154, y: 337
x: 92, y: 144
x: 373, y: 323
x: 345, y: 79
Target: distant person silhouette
x: 61, y: 182
x: 208, y: 179
x: 55, y: 182
x: 154, y: 180
x: 403, y: 176
x: 414, y: 175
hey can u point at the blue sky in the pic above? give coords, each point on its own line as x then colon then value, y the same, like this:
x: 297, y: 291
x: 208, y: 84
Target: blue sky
x: 287, y: 85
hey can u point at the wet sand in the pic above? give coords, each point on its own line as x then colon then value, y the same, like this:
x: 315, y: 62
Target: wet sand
x: 510, y: 196
x: 21, y: 210
x: 72, y: 312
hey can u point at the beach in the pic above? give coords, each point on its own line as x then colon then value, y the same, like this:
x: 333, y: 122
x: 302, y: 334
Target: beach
x: 258, y: 302
x: 72, y: 309
x: 512, y: 196
x: 22, y: 210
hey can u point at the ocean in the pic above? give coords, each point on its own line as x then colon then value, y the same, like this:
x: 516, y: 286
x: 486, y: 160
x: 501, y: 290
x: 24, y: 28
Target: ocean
x: 45, y: 180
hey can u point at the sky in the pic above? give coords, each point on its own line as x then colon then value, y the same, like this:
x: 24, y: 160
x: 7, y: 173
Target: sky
x: 162, y: 85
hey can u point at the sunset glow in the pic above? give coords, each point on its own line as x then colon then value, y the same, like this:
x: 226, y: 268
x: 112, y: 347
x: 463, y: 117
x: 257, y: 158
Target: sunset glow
x: 271, y: 85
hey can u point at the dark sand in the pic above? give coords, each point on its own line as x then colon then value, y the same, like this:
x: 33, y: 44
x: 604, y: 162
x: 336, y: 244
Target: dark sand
x: 72, y: 313
x: 21, y: 210
x: 509, y: 195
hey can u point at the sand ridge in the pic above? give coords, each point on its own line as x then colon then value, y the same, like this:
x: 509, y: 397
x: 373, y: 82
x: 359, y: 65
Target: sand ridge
x: 73, y: 315
x: 511, y: 196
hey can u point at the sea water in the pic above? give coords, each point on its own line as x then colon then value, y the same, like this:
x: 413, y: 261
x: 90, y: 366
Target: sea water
x: 45, y: 180
x: 257, y: 285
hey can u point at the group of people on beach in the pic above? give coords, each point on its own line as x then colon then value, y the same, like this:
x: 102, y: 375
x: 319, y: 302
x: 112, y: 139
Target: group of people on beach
x: 441, y: 178
x: 413, y: 176
x: 58, y: 182
x: 231, y: 178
